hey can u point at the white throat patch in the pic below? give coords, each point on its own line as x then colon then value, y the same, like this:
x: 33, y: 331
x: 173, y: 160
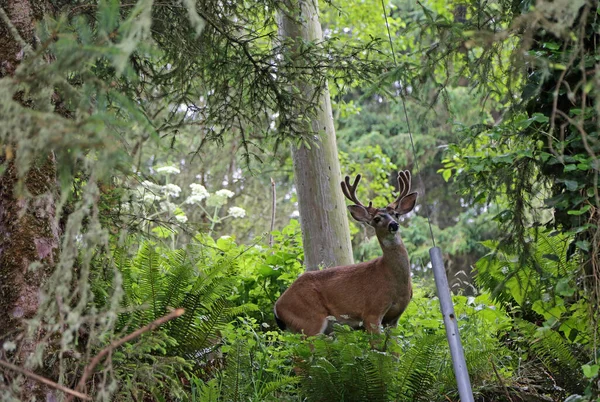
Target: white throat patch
x: 391, y: 241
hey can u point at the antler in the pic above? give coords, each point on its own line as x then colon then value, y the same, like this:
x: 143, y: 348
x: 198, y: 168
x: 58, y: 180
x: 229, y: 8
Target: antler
x: 403, y: 187
x: 349, y: 191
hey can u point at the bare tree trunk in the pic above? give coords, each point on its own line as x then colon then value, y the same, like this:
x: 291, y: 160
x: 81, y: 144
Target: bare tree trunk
x: 29, y: 232
x: 324, y: 221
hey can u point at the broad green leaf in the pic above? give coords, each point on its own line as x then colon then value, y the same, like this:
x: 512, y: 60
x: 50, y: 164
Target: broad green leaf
x: 590, y: 371
x: 563, y: 287
x: 571, y: 185
x: 580, y: 211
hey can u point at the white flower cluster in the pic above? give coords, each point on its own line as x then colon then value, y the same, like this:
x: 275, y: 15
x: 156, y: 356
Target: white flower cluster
x: 171, y: 189
x: 147, y: 184
x: 225, y: 193
x: 168, y: 170
x: 199, y: 193
x: 237, y: 212
x: 150, y: 192
x: 149, y: 197
x: 199, y: 189
x: 168, y: 206
x: 219, y: 198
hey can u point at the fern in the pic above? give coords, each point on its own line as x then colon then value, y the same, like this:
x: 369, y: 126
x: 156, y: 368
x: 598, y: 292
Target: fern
x: 377, y: 369
x: 511, y: 278
x: 234, y: 372
x: 346, y: 369
x: 250, y: 374
x: 559, y: 362
x: 157, y: 280
x: 178, y: 279
x: 147, y: 372
x: 205, y: 391
x: 270, y: 388
x: 418, y: 367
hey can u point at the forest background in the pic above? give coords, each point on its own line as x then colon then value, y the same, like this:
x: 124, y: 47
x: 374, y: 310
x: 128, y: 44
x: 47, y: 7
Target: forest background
x: 146, y: 166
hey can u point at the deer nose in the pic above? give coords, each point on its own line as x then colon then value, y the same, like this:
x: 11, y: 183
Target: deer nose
x: 393, y: 227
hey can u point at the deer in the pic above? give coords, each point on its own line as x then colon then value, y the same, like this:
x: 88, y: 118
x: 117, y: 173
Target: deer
x: 366, y: 295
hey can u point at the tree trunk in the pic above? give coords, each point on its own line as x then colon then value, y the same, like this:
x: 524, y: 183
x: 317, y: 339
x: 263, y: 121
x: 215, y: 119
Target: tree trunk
x: 323, y: 218
x: 29, y: 232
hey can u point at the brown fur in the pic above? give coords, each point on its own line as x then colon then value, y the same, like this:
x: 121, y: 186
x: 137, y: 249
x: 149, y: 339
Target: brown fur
x: 368, y: 294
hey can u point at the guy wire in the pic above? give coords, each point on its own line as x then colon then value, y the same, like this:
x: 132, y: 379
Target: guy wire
x: 412, y: 143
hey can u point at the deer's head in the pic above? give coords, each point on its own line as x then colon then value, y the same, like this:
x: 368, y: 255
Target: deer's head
x: 383, y: 220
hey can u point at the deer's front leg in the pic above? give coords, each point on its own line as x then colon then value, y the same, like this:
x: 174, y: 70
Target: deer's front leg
x: 372, y: 324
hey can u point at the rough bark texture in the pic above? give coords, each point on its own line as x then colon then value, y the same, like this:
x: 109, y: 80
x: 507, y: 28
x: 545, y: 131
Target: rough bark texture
x: 28, y: 229
x: 323, y: 217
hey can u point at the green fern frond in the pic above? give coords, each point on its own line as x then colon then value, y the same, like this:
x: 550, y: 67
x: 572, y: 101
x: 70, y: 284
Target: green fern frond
x: 417, y: 366
x: 376, y: 372
x: 346, y: 369
x: 150, y: 281
x: 321, y: 381
x: 122, y: 263
x: 206, y: 391
x: 271, y: 387
x: 554, y: 249
x: 240, y: 310
x: 233, y: 377
x: 557, y: 356
x: 162, y: 280
x: 178, y: 279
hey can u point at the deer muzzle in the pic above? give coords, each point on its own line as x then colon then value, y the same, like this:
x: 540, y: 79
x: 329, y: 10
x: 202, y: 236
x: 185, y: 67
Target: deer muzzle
x: 393, y: 227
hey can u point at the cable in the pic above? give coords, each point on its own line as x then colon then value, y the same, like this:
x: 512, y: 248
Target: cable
x: 412, y: 142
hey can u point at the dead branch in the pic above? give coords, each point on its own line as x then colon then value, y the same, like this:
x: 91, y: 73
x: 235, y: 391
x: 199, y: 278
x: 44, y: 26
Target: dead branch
x: 44, y: 380
x: 500, y: 381
x: 89, y: 369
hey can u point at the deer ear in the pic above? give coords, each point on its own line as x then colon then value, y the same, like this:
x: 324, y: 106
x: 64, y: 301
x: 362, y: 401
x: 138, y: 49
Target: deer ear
x: 359, y: 213
x: 407, y: 204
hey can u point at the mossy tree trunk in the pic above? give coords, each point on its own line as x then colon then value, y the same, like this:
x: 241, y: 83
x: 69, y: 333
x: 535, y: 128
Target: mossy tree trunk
x: 324, y: 222
x: 29, y: 232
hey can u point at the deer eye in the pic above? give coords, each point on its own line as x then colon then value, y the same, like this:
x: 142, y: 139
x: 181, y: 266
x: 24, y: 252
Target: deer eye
x: 377, y: 219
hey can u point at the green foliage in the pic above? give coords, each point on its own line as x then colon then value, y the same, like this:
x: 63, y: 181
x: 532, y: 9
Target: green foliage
x: 560, y: 358
x: 264, y: 272
x: 416, y: 364
x: 544, y: 286
x: 158, y: 280
x: 107, y: 82
x: 145, y: 369
x: 375, y: 167
x: 344, y: 369
x: 257, y: 366
x: 538, y: 166
x: 155, y: 281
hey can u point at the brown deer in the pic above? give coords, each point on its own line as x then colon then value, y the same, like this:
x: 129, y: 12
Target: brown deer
x: 369, y: 294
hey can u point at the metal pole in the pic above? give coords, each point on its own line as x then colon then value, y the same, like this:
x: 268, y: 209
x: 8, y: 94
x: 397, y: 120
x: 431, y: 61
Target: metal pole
x: 456, y: 349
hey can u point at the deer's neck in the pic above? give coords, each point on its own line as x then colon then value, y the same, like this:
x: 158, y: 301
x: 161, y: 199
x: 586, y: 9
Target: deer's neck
x: 395, y: 257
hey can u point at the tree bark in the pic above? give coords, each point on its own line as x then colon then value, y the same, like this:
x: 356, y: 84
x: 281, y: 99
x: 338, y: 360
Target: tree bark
x: 29, y: 232
x: 323, y: 217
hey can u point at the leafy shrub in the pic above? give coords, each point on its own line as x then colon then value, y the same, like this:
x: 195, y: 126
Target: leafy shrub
x: 263, y: 272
